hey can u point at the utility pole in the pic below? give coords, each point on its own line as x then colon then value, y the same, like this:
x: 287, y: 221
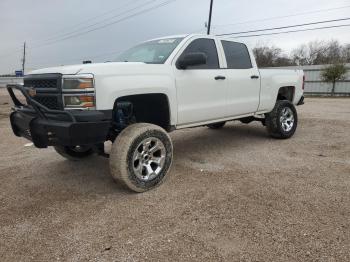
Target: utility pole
x: 210, y: 13
x: 24, y: 57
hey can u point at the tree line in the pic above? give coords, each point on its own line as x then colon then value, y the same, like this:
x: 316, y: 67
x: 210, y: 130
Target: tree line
x: 312, y: 53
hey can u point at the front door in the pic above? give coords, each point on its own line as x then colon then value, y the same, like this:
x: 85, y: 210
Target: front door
x: 201, y: 90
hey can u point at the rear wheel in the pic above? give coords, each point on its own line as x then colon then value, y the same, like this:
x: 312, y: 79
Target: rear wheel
x: 141, y: 157
x: 74, y: 153
x: 217, y: 125
x: 282, y: 121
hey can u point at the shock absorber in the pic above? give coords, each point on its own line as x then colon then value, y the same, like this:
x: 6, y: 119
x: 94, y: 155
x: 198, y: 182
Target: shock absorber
x: 124, y: 115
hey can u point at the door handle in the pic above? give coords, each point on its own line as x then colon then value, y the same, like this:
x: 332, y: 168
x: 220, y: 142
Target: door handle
x: 220, y: 78
x: 254, y: 77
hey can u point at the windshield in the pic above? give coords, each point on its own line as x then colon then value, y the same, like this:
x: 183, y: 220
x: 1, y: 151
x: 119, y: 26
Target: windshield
x: 152, y: 52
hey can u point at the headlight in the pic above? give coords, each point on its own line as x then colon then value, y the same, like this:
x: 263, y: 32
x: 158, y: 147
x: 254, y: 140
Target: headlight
x: 79, y: 101
x: 77, y: 83
x: 78, y: 92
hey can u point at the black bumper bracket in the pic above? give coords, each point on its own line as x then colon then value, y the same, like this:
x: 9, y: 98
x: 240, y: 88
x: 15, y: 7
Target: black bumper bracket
x: 46, y: 127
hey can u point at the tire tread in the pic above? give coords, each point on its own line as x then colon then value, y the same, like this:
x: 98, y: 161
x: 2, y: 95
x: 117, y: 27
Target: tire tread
x: 120, y: 149
x: 272, y: 121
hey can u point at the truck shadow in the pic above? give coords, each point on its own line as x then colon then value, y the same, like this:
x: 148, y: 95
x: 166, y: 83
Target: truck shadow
x: 93, y: 175
x: 193, y: 141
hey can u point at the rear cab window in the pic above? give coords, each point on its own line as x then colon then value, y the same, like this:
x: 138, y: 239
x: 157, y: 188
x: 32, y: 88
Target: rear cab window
x: 237, y: 55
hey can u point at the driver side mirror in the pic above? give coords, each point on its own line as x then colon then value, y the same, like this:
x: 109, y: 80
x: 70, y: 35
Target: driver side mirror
x: 191, y: 59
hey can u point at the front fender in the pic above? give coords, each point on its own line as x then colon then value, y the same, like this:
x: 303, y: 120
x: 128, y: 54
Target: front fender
x: 109, y: 89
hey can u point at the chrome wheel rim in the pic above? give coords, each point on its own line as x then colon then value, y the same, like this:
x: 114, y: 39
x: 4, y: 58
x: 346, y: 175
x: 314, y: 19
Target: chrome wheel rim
x: 287, y: 119
x: 149, y: 159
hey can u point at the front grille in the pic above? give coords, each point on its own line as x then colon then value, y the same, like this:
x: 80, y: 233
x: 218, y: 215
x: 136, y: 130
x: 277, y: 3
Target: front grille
x: 41, y: 83
x: 50, y: 102
x: 48, y: 89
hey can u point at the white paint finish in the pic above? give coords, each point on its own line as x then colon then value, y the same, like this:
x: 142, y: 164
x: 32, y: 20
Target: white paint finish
x: 200, y: 97
x: 243, y: 91
x: 194, y: 96
x: 65, y: 70
x: 120, y: 79
x: 272, y: 80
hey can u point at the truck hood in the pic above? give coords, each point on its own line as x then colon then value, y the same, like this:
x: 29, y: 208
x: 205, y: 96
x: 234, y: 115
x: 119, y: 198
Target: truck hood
x: 90, y: 68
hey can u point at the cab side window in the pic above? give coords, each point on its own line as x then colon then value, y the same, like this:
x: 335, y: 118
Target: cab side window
x: 237, y: 55
x: 206, y: 46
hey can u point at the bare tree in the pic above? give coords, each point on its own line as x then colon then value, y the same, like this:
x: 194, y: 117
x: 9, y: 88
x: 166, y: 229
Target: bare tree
x: 308, y: 54
x: 270, y: 56
x: 334, y: 73
x: 331, y: 54
x: 301, y: 56
x: 318, y: 53
x: 346, y: 53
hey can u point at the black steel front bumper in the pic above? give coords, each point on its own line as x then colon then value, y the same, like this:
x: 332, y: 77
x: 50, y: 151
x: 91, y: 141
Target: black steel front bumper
x: 46, y: 127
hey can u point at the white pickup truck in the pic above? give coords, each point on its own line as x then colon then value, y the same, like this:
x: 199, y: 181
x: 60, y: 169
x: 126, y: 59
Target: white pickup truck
x: 152, y: 89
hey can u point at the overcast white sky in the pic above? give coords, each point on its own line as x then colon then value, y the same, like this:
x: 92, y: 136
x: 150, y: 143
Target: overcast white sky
x: 37, y: 21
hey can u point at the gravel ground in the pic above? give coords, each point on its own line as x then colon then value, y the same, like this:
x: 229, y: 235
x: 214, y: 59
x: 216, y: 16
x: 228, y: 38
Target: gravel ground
x: 233, y: 195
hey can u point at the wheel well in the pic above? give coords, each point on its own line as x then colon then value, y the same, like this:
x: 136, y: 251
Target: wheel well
x: 286, y: 93
x: 148, y: 108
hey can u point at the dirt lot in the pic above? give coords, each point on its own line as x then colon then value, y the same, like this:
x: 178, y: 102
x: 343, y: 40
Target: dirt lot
x: 232, y: 195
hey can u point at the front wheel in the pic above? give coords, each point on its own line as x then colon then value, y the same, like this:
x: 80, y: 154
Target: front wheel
x: 141, y: 156
x: 282, y: 121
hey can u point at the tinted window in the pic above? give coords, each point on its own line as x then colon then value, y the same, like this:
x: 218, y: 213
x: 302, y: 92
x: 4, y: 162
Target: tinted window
x: 237, y: 55
x: 206, y: 46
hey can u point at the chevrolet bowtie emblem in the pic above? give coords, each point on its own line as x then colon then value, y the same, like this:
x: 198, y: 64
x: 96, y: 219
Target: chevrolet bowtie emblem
x: 31, y: 92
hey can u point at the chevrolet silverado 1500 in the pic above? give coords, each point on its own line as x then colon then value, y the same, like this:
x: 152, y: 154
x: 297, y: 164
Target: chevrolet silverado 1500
x: 152, y: 89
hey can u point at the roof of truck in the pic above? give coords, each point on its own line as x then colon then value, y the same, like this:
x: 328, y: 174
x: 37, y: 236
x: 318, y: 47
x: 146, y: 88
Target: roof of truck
x: 191, y: 35
x: 170, y: 36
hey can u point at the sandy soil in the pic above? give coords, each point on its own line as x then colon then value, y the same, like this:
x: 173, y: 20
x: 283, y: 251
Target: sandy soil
x: 233, y: 195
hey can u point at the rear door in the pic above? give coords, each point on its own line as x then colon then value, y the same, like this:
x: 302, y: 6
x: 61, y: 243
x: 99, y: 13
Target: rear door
x: 201, y: 90
x: 242, y: 78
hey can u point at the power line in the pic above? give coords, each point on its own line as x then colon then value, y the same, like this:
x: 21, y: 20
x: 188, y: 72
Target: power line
x: 98, y: 28
x: 116, y: 52
x: 74, y: 26
x: 92, y: 18
x: 100, y: 22
x: 293, y: 31
x: 168, y: 2
x: 284, y: 16
x: 277, y: 33
x: 109, y: 24
x: 278, y: 17
x: 115, y: 22
x: 285, y: 27
x: 11, y: 52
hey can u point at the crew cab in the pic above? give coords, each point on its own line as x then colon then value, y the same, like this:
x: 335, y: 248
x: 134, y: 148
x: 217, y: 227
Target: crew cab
x: 152, y: 89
